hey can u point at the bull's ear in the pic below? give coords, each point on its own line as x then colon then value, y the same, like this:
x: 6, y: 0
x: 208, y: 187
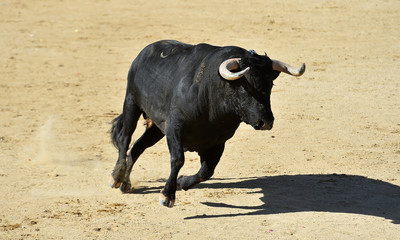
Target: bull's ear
x: 275, y: 74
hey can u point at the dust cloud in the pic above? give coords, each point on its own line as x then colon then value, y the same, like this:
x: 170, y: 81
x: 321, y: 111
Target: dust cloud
x: 48, y: 146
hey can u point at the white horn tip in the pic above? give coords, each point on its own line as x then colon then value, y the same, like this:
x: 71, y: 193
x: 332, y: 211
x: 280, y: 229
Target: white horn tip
x: 286, y: 68
x: 301, y: 70
x: 297, y: 72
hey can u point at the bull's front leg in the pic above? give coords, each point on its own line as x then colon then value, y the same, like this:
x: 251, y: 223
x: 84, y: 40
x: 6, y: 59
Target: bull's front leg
x: 175, y: 146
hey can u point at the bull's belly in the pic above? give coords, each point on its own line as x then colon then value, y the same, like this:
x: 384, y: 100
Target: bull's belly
x: 199, y: 137
x: 196, y: 139
x: 203, y: 138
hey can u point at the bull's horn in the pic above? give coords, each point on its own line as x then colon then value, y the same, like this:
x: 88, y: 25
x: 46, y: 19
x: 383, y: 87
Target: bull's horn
x: 286, y: 68
x: 229, y: 65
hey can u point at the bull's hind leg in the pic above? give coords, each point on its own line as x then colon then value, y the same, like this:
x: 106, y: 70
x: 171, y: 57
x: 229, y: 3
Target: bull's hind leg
x: 209, y: 160
x: 150, y: 137
x: 121, y: 134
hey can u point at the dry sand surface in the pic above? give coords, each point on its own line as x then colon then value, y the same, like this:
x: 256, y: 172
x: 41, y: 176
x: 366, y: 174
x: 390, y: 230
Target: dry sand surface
x: 330, y: 168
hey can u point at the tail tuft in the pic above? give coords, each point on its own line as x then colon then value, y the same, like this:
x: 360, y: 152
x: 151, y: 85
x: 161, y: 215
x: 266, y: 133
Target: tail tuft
x: 116, y: 128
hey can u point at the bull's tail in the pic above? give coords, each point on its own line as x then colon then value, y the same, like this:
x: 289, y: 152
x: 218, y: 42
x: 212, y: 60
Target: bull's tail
x: 117, y: 125
x: 124, y: 125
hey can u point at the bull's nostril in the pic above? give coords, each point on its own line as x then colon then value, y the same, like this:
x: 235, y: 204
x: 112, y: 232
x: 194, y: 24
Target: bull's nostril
x: 263, y: 125
x: 268, y: 125
x: 260, y: 124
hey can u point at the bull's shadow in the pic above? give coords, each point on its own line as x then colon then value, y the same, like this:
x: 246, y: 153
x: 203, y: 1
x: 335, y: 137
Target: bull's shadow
x: 319, y: 193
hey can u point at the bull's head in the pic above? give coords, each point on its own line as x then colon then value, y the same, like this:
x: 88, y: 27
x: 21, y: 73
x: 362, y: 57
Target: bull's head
x: 253, y: 78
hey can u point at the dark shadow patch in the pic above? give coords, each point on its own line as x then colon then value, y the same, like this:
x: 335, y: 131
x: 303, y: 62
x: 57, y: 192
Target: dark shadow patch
x: 315, y: 193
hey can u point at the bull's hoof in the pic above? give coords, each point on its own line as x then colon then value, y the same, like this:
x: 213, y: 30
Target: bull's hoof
x: 114, y: 184
x: 126, y: 187
x: 166, y: 201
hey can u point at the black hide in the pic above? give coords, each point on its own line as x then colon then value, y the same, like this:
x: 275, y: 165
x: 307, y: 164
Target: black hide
x: 179, y: 88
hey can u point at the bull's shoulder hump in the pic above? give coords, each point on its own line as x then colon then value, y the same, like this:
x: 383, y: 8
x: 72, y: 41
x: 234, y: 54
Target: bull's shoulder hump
x: 165, y: 48
x: 205, y: 47
x: 168, y: 44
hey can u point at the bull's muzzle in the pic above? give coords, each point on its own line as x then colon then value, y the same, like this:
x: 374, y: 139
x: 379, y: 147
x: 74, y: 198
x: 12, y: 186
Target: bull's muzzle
x: 264, y: 125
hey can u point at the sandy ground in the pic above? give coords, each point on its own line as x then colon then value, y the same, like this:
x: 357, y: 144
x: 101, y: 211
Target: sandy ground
x: 330, y: 168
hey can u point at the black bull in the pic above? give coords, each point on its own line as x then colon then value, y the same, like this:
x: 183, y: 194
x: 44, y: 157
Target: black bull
x: 195, y: 95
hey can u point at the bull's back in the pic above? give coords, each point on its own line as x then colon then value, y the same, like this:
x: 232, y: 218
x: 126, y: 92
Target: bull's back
x: 162, y: 73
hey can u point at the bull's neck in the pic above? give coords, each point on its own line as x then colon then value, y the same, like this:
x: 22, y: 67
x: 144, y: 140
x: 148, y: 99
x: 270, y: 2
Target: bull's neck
x: 221, y: 106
